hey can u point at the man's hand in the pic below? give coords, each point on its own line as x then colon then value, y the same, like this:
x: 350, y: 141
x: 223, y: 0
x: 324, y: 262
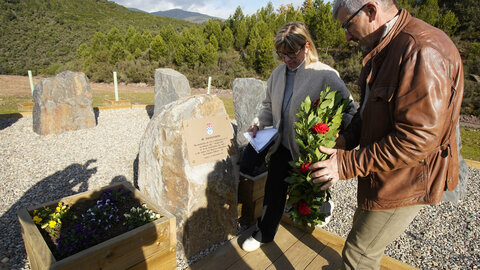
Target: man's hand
x: 253, y: 129
x: 325, y: 172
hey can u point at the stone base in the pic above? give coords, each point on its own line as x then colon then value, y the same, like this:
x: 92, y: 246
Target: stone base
x: 120, y: 102
x: 25, y: 106
x: 251, y: 191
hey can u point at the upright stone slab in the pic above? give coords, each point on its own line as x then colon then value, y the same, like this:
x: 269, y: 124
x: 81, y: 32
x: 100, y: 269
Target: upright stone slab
x: 63, y: 103
x: 248, y: 94
x: 204, y: 197
x: 170, y: 85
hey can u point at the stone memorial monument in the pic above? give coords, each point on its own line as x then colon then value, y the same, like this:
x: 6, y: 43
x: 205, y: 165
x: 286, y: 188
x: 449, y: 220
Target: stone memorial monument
x: 63, y: 103
x: 170, y: 85
x: 248, y: 94
x: 186, y: 165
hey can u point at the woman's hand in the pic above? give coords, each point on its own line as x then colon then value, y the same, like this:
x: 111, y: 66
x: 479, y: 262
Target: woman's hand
x: 253, y: 129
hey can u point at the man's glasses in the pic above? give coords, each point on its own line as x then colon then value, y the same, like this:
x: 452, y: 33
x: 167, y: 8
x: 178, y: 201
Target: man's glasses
x: 345, y: 23
x: 290, y: 55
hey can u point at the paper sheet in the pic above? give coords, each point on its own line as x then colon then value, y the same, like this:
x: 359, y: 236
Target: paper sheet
x: 262, y: 139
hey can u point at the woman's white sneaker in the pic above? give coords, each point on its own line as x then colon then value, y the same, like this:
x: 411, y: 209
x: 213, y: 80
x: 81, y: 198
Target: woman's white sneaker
x: 251, y: 244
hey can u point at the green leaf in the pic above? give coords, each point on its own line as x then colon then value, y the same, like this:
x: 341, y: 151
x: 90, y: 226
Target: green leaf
x: 300, y: 143
x: 291, y: 180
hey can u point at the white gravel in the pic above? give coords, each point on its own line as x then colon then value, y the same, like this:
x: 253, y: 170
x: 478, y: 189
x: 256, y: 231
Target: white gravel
x: 442, y: 236
x: 36, y: 169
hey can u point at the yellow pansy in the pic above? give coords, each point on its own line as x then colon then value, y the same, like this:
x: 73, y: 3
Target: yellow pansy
x: 52, y: 224
x: 37, y: 219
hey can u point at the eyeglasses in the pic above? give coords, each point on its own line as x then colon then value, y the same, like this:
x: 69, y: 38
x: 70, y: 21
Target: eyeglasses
x: 344, y: 24
x: 290, y: 55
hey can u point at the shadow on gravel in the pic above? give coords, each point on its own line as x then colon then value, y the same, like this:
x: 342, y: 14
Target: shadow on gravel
x: 96, y: 111
x: 135, y: 172
x: 69, y: 181
x: 150, y: 110
x: 6, y: 122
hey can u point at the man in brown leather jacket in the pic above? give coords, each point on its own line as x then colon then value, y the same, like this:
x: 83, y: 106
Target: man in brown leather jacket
x: 411, y: 92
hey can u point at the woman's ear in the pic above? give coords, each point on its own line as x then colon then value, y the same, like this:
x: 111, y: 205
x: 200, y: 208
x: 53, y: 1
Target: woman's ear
x: 307, y: 45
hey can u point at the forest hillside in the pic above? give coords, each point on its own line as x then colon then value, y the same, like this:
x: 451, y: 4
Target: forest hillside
x: 98, y: 37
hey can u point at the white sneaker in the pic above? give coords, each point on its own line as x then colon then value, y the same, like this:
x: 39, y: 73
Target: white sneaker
x: 327, y: 208
x: 251, y: 244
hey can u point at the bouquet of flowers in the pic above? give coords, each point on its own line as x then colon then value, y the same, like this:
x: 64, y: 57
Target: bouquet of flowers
x: 318, y: 125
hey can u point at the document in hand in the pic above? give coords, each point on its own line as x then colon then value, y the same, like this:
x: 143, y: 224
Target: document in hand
x: 262, y: 139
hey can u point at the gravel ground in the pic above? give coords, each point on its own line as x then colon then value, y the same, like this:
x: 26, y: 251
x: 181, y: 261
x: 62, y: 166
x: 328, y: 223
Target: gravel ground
x: 442, y: 236
x: 36, y: 169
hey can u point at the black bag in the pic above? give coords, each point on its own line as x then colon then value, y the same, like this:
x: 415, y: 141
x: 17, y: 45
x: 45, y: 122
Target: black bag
x: 251, y: 162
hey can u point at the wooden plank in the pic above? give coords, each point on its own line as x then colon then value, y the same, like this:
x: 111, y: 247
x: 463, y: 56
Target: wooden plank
x: 257, y: 208
x: 473, y: 163
x: 224, y: 256
x: 301, y: 254
x: 40, y: 255
x: 388, y: 263
x: 269, y: 253
x: 165, y: 260
x: 329, y: 258
x: 122, y: 251
x: 328, y: 237
x: 251, y: 188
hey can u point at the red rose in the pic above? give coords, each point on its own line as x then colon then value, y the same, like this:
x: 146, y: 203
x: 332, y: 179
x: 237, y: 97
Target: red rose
x: 316, y: 102
x: 305, y: 167
x: 303, y: 208
x: 321, y: 128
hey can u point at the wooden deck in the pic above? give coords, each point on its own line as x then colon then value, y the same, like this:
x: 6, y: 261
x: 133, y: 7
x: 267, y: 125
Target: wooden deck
x: 293, y: 248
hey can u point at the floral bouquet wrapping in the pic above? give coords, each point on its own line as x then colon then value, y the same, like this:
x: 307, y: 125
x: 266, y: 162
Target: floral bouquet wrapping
x: 318, y: 125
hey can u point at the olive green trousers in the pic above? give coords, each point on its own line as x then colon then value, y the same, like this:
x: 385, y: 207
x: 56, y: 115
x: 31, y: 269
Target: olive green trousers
x: 371, y: 232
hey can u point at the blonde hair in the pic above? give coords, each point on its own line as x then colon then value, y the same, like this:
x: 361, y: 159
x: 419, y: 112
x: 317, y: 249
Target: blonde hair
x: 292, y: 37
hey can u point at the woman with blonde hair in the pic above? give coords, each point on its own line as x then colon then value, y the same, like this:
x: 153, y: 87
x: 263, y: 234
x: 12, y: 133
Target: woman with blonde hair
x: 300, y: 75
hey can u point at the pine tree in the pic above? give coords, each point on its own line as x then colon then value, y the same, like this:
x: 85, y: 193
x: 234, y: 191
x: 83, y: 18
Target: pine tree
x: 226, y: 41
x: 212, y: 27
x: 116, y: 53
x: 241, y: 35
x: 113, y: 36
x: 158, y: 48
x: 429, y: 11
x: 209, y: 55
x: 265, y: 61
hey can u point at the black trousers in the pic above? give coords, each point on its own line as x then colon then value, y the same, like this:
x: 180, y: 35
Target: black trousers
x: 275, y: 195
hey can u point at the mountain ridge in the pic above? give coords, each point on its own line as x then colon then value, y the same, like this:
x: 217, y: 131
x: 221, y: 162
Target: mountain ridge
x: 180, y: 14
x: 38, y: 34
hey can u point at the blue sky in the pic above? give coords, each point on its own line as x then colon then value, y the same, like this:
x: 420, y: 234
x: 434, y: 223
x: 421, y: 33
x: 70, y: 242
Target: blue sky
x: 216, y: 8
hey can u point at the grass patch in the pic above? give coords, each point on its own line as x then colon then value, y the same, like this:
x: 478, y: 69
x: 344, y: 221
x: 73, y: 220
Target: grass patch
x: 135, y: 98
x: 228, y: 103
x: 9, y: 104
x: 470, y: 144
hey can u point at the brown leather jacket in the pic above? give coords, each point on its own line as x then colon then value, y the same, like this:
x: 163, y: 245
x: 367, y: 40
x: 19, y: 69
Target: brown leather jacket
x: 407, y: 151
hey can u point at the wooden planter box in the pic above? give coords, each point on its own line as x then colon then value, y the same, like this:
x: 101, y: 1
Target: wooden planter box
x: 151, y: 246
x: 25, y: 106
x: 251, y: 191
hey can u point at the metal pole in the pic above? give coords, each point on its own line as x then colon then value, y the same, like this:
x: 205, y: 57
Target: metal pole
x: 209, y: 83
x: 31, y: 80
x: 116, y: 86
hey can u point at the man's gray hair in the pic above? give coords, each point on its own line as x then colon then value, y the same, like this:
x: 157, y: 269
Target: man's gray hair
x: 353, y: 5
